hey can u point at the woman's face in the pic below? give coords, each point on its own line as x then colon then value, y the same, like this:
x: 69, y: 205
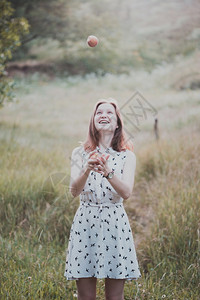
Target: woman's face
x: 105, y: 118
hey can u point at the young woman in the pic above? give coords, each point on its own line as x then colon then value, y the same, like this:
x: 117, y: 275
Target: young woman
x: 102, y: 172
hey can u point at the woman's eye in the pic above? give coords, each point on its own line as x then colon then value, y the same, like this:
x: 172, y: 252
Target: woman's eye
x: 98, y: 112
x: 110, y: 112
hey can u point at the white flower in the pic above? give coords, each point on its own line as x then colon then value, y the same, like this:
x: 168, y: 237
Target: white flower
x: 75, y: 295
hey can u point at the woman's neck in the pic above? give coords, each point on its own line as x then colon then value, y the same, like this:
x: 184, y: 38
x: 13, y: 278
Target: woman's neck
x: 105, y: 141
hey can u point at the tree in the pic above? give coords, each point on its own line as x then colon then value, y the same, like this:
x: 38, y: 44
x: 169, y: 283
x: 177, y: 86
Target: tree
x: 11, y: 30
x: 47, y: 18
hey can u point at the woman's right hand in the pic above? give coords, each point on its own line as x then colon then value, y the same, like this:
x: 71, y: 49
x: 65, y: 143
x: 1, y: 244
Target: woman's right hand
x: 92, y: 163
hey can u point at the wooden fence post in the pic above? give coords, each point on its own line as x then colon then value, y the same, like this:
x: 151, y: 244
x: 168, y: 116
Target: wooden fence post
x: 156, y: 130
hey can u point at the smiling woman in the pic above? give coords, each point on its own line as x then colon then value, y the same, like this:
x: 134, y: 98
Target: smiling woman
x: 101, y: 243
x: 107, y: 111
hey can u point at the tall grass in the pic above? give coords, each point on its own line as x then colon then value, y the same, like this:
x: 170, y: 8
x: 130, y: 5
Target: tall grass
x: 170, y: 254
x: 31, y: 201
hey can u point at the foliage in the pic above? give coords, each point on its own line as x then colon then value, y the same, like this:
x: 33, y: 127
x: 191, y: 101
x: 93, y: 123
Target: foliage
x: 11, y: 30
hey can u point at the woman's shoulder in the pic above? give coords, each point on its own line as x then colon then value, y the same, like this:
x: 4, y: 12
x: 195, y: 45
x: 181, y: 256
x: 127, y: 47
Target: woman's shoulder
x: 78, y: 151
x: 130, y: 154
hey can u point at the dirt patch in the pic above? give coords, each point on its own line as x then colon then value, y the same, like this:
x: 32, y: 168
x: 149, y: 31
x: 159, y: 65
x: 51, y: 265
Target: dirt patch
x: 141, y: 215
x: 29, y: 67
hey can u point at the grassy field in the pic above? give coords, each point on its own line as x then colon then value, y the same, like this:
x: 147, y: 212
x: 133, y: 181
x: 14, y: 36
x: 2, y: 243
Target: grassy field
x: 38, y: 133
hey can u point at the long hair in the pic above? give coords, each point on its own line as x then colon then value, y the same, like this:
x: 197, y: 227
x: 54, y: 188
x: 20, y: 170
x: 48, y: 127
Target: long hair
x: 119, y: 141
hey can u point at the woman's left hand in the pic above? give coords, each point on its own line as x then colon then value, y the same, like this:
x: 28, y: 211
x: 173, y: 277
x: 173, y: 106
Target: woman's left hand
x: 102, y: 167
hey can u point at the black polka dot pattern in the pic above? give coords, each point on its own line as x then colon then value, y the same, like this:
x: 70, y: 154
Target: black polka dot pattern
x: 101, y: 243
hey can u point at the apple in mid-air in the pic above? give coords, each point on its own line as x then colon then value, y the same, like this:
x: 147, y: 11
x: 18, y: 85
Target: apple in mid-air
x: 92, y: 40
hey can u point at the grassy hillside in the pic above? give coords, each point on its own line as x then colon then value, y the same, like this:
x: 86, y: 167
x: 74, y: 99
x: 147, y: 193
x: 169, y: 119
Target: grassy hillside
x: 54, y: 113
x: 37, y: 136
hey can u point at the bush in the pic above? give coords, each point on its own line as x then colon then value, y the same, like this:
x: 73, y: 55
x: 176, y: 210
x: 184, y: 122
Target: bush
x: 11, y: 30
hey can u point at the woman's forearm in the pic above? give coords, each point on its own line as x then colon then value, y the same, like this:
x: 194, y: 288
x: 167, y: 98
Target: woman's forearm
x: 120, y: 187
x: 78, y: 184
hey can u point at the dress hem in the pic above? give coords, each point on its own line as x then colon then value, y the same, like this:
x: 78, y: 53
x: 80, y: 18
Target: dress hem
x: 76, y: 278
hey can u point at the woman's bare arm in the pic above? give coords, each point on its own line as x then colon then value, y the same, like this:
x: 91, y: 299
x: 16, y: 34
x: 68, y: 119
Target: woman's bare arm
x: 79, y: 175
x: 125, y: 185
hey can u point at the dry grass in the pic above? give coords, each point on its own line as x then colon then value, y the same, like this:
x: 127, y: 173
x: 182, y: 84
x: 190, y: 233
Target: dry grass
x: 163, y: 166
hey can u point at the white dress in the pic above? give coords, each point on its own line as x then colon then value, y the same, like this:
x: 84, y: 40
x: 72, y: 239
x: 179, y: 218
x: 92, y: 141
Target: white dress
x: 101, y: 243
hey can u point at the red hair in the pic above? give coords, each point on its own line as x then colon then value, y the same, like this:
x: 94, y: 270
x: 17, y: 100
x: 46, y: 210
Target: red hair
x: 119, y: 141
